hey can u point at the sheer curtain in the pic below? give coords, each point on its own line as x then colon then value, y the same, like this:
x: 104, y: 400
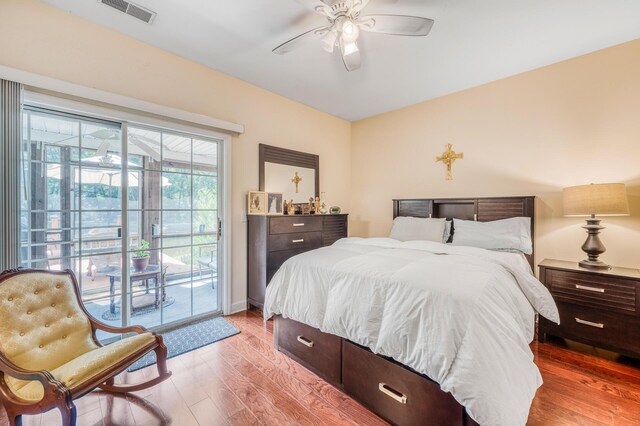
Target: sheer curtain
x: 10, y: 172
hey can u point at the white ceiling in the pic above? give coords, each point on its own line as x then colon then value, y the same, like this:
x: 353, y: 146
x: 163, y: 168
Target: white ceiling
x: 472, y: 42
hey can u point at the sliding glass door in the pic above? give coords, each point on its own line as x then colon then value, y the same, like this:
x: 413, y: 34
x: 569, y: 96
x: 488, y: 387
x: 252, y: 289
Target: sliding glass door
x: 131, y: 210
x: 172, y: 210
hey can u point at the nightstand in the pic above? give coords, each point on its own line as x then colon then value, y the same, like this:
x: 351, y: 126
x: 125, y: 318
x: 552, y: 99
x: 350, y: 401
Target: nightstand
x: 597, y: 307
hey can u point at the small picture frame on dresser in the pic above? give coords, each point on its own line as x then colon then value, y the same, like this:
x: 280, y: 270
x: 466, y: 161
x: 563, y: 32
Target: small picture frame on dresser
x: 257, y: 203
x: 274, y: 203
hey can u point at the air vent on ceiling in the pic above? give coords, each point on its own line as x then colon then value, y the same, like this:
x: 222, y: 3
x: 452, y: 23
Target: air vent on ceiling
x: 131, y: 9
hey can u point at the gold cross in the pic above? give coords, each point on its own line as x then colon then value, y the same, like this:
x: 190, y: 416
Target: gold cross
x: 448, y: 158
x: 296, y: 179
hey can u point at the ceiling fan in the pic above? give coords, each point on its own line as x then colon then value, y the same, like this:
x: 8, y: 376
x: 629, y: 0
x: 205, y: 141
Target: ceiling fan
x: 345, y: 23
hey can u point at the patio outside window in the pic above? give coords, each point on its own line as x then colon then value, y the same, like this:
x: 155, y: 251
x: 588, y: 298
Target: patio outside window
x: 74, y: 217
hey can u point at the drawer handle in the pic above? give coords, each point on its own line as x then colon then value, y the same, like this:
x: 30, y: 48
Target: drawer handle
x: 308, y: 343
x: 589, y: 323
x: 586, y: 287
x: 301, y: 240
x: 391, y: 392
x: 298, y: 224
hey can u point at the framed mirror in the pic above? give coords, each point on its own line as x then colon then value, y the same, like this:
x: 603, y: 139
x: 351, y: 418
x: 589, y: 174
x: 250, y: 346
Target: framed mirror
x: 295, y: 174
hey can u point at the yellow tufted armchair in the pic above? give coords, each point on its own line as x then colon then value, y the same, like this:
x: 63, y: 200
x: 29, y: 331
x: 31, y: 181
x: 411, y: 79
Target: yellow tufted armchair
x: 49, y: 354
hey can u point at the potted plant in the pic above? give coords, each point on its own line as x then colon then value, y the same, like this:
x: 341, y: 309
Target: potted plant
x: 141, y: 256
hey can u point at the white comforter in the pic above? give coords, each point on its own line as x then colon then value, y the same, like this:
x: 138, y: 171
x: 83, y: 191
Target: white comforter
x: 463, y: 316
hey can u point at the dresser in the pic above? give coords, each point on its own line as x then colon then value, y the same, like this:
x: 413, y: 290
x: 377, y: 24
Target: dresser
x: 599, y: 308
x: 274, y: 239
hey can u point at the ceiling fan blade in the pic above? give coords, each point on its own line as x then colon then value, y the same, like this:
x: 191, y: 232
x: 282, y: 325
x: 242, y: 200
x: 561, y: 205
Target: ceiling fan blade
x: 396, y: 24
x: 298, y: 41
x: 318, y: 7
x: 143, y: 143
x: 103, y: 148
x: 351, y: 57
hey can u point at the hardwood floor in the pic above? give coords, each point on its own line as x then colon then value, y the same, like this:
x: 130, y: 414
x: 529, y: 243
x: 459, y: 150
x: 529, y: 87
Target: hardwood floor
x: 243, y: 381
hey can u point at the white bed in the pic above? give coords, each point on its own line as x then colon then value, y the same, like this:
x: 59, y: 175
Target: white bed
x: 462, y: 316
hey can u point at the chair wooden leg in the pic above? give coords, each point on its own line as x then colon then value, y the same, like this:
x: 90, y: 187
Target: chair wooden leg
x: 14, y: 419
x: 69, y: 415
x: 161, y: 359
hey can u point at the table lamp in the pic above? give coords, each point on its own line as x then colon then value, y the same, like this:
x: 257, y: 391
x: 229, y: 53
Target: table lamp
x: 605, y: 199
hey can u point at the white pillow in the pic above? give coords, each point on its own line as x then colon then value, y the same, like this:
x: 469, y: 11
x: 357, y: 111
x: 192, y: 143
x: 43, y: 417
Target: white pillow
x: 506, y: 234
x: 415, y: 228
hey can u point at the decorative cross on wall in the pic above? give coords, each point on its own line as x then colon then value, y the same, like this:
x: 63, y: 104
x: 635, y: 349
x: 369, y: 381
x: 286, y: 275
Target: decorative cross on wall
x: 296, y: 180
x: 448, y: 158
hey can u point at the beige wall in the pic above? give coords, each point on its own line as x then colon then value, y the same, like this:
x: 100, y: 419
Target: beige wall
x: 571, y: 123
x: 38, y: 38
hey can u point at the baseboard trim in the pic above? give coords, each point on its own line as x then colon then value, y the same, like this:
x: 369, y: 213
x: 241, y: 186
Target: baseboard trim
x: 238, y: 307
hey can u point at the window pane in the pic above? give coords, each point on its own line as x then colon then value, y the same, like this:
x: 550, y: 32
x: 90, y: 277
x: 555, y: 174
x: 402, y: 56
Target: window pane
x: 144, y: 189
x: 101, y: 144
x: 205, y: 157
x: 145, y: 311
x: 101, y: 225
x: 146, y: 294
x: 144, y: 147
x: 102, y: 275
x: 180, y: 307
x: 176, y: 228
x: 52, y: 136
x: 205, y: 193
x: 101, y: 309
x: 205, y: 279
x: 176, y: 153
x: 144, y: 225
x: 176, y: 194
x: 100, y: 188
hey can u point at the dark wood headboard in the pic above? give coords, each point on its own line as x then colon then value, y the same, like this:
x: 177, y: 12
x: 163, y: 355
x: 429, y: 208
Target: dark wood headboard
x: 480, y: 209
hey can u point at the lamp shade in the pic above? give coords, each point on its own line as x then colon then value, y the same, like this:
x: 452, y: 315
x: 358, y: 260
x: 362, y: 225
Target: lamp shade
x: 604, y: 199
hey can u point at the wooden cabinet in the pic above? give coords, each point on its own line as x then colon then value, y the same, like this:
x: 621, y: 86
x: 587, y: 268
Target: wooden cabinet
x: 599, y: 308
x: 274, y: 239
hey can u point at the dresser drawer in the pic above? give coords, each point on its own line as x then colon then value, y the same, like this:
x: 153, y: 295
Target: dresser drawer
x: 289, y: 224
x: 296, y: 241
x: 596, y: 327
x: 592, y: 290
x: 395, y: 393
x: 277, y: 258
x: 318, y: 351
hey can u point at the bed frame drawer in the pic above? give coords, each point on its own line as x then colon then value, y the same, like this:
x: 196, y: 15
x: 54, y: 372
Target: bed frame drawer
x: 395, y: 393
x: 290, y: 224
x: 319, y: 352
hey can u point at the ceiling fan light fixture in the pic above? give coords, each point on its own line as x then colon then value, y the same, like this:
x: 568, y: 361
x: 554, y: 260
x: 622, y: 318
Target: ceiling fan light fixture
x: 349, y: 48
x: 350, y: 31
x: 345, y: 21
x: 329, y: 41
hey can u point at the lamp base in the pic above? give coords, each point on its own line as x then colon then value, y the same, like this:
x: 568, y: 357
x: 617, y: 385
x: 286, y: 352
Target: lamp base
x: 593, y: 246
x: 593, y: 264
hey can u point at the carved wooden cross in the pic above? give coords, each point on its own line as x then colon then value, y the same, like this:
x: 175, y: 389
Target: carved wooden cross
x: 296, y: 180
x: 448, y: 158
